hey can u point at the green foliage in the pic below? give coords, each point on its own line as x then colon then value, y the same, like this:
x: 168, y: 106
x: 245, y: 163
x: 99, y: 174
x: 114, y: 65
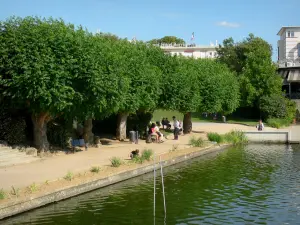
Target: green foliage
x: 95, y: 169
x: 69, y: 176
x: 273, y: 106
x: 251, y: 60
x: 278, y: 123
x: 147, y: 154
x: 116, y: 162
x: 167, y: 40
x: 36, y: 56
x: 196, y: 142
x: 2, y: 194
x: 32, y: 188
x: 215, y: 137
x: 235, y: 137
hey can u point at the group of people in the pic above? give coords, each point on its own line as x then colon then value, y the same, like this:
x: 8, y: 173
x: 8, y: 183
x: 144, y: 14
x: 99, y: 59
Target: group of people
x: 154, y: 129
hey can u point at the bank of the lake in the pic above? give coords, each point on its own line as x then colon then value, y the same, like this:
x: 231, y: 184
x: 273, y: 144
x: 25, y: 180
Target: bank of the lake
x: 84, y: 182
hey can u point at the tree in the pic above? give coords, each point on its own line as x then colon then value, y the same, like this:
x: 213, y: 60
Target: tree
x: 201, y: 85
x: 167, y: 40
x: 97, y: 84
x: 36, y: 59
x: 133, y: 65
x: 251, y: 60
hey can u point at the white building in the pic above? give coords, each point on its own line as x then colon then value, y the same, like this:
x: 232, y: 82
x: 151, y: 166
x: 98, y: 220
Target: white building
x: 289, y: 46
x: 289, y: 61
x: 195, y: 51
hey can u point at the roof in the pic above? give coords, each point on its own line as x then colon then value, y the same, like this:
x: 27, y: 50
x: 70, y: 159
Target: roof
x: 283, y: 28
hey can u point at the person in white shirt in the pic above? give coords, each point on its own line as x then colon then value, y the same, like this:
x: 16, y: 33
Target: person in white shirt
x: 260, y: 126
x: 176, y: 128
x: 160, y: 135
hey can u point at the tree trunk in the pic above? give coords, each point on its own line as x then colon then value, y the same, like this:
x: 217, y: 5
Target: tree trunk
x: 187, y: 123
x: 121, y: 126
x: 40, y: 131
x: 87, y: 131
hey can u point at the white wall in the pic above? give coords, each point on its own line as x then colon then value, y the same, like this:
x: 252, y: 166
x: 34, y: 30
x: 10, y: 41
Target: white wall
x: 288, y: 46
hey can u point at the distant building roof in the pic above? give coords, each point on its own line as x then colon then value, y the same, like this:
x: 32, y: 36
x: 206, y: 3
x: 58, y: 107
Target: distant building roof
x: 283, y: 28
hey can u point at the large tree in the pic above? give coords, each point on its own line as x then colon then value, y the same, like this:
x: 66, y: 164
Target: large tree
x: 134, y: 65
x: 251, y: 60
x: 201, y: 85
x: 36, y: 58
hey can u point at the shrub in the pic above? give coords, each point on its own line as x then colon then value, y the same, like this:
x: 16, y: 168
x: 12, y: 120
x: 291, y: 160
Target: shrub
x: 147, y: 154
x: 2, y: 194
x: 215, y: 137
x: 277, y: 123
x: 69, y: 176
x: 115, y: 162
x: 196, y: 142
x: 236, y: 137
x: 95, y: 169
x: 273, y: 106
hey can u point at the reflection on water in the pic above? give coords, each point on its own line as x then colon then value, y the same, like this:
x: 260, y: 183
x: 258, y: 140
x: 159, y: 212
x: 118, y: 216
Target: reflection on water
x: 257, y: 184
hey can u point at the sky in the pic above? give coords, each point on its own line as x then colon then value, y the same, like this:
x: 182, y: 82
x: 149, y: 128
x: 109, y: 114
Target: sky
x: 145, y: 20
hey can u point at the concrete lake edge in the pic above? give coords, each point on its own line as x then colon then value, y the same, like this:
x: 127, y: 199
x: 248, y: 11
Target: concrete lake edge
x: 12, y: 209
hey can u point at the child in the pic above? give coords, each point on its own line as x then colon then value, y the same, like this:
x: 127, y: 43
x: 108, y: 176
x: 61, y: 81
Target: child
x: 260, y: 126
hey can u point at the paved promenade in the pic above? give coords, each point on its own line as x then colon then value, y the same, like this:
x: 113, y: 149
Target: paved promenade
x: 52, y: 168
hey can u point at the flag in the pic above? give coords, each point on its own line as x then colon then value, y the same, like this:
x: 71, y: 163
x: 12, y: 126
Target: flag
x: 193, y: 36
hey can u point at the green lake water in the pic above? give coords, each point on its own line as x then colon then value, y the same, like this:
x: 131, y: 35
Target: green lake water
x: 255, y: 184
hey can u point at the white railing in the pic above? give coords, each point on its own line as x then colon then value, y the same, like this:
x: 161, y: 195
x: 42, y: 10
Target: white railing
x: 174, y: 45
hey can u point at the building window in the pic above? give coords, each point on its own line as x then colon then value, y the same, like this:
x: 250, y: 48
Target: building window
x: 292, y: 33
x: 288, y: 34
x: 298, y: 49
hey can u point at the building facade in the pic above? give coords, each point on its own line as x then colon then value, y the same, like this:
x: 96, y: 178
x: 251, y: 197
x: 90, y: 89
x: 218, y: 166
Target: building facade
x: 289, y: 46
x: 195, y: 51
x: 289, y: 61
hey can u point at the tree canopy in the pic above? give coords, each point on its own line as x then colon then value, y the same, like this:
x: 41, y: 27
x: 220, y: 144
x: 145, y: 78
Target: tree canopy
x: 167, y: 40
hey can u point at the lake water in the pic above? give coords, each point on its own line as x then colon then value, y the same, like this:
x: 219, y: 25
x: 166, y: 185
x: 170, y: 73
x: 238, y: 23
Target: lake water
x: 255, y: 184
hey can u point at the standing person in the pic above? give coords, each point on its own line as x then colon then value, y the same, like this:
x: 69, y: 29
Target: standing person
x: 260, y: 126
x: 176, y: 128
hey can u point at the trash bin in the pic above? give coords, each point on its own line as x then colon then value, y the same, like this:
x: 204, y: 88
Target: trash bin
x: 132, y: 136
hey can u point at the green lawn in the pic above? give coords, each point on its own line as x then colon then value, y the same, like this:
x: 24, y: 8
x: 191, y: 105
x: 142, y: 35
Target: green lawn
x: 197, y: 117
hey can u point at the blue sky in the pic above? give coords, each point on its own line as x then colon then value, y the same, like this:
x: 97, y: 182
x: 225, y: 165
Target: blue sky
x: 210, y: 20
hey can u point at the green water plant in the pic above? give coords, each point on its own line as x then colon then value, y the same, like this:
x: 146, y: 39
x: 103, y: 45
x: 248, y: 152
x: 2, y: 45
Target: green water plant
x: 236, y: 137
x: 196, y: 142
x: 115, y: 161
x: 215, y: 137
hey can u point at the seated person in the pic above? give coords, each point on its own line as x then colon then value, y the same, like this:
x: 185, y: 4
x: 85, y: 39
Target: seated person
x: 152, y: 131
x: 160, y: 135
x: 168, y: 124
x: 134, y: 154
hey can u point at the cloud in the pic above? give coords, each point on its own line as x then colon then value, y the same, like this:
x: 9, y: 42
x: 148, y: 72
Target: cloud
x: 228, y: 24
